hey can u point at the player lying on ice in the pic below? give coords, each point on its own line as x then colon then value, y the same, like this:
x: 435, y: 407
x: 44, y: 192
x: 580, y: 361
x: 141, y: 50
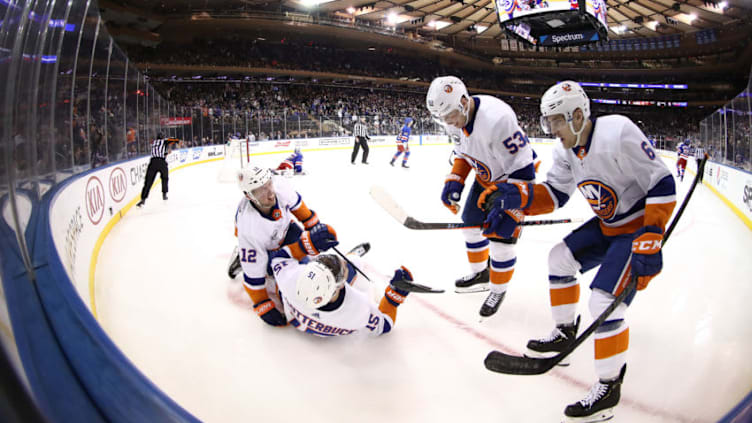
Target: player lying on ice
x: 325, y: 296
x: 293, y: 164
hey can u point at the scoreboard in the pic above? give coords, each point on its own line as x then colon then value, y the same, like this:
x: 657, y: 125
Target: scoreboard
x: 554, y: 22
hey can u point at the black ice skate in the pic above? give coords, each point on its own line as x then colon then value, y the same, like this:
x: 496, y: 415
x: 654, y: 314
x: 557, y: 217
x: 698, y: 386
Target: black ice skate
x: 361, y: 249
x: 392, y: 162
x: 405, y: 166
x: 475, y: 282
x: 140, y: 203
x: 598, y: 405
x: 164, y: 196
x: 234, y: 267
x: 560, y: 339
x: 492, y: 303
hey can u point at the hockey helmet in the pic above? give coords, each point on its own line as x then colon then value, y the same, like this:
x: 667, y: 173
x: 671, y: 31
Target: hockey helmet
x: 408, y: 121
x: 250, y: 179
x: 686, y: 141
x: 297, y: 149
x: 160, y: 136
x: 563, y: 99
x: 320, y: 280
x: 444, y: 96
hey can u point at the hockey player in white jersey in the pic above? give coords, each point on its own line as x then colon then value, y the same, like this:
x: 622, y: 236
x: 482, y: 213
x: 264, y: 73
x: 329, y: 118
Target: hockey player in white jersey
x: 325, y: 296
x: 632, y: 194
x: 488, y: 140
x: 265, y: 222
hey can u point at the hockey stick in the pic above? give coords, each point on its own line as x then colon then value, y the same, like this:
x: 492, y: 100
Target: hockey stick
x: 401, y: 284
x: 396, y: 211
x: 351, y: 263
x: 497, y: 361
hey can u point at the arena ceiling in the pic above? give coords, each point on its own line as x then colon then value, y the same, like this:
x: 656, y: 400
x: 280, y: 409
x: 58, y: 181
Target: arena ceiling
x: 474, y: 18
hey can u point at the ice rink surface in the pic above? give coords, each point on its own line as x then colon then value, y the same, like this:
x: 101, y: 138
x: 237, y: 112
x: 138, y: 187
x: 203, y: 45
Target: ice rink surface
x: 163, y: 296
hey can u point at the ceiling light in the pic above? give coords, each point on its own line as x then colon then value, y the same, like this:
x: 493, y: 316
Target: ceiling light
x: 351, y: 10
x: 480, y: 28
x: 437, y: 25
x: 691, y: 17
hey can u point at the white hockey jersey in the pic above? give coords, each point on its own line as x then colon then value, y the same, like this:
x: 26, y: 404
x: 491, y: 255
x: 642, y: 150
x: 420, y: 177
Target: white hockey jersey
x: 354, y: 312
x: 258, y: 234
x: 618, y: 173
x: 492, y: 142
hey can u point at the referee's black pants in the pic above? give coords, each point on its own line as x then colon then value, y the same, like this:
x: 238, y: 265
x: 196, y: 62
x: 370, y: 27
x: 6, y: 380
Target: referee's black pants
x: 156, y: 164
x: 360, y: 142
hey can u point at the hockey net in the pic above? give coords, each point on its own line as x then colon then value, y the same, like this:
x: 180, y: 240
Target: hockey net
x: 237, y: 157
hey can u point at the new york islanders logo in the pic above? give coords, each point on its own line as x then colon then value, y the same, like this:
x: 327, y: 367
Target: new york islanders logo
x: 506, y: 6
x: 601, y: 198
x: 481, y: 169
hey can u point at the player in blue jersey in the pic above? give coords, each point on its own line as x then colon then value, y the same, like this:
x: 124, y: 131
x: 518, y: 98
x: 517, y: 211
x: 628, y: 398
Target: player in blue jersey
x: 402, y: 146
x: 294, y: 162
x: 682, y: 154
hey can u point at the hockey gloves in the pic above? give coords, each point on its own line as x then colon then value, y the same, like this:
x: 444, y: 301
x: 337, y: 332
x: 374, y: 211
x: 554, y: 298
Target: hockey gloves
x: 452, y: 192
x: 503, y: 224
x: 393, y: 294
x: 647, y: 259
x: 506, y: 196
x: 319, y: 238
x: 269, y: 313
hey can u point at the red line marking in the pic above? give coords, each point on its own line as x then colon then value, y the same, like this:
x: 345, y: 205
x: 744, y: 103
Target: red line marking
x: 649, y: 410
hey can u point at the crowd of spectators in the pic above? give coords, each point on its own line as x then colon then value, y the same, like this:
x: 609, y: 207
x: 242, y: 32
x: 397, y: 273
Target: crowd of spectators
x: 315, y: 56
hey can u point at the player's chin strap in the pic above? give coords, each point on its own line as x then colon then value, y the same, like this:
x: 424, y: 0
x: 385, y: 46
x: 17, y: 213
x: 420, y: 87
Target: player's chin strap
x: 578, y: 133
x: 351, y: 263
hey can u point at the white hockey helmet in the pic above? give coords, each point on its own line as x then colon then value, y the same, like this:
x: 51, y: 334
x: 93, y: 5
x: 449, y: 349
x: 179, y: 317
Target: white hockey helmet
x: 563, y: 99
x: 444, y: 96
x: 252, y: 178
x: 320, y: 279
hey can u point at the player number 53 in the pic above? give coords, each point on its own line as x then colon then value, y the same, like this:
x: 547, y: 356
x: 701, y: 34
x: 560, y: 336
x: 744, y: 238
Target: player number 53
x: 515, y: 142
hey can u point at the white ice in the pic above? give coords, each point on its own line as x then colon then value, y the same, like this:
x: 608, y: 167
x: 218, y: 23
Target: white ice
x: 163, y: 296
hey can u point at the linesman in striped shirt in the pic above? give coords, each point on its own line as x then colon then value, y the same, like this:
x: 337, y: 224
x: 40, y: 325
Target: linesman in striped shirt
x: 159, y: 150
x: 361, y: 140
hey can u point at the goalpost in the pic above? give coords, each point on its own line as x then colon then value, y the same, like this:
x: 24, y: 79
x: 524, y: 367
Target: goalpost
x: 237, y: 156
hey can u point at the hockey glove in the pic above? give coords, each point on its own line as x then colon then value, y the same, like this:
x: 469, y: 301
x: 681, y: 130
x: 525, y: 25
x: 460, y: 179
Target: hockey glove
x: 319, y: 238
x: 393, y: 294
x: 647, y: 259
x: 502, y: 223
x: 506, y: 196
x: 452, y: 192
x: 269, y: 313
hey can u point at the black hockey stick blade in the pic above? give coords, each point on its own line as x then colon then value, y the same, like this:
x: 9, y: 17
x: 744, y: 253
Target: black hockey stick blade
x: 415, y: 287
x: 497, y: 361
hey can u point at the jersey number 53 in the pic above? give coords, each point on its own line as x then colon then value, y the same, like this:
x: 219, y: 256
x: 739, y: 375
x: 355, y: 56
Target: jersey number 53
x: 516, y: 142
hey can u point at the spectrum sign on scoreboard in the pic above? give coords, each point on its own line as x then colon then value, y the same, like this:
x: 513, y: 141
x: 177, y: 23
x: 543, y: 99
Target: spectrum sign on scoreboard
x: 554, y: 22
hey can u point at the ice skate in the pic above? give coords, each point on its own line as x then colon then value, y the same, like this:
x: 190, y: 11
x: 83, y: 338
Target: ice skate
x: 405, y: 166
x: 234, y: 267
x: 560, y: 339
x: 598, y: 405
x: 361, y: 249
x: 474, y: 282
x: 140, y: 203
x: 492, y: 303
x: 164, y: 196
x: 392, y: 162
